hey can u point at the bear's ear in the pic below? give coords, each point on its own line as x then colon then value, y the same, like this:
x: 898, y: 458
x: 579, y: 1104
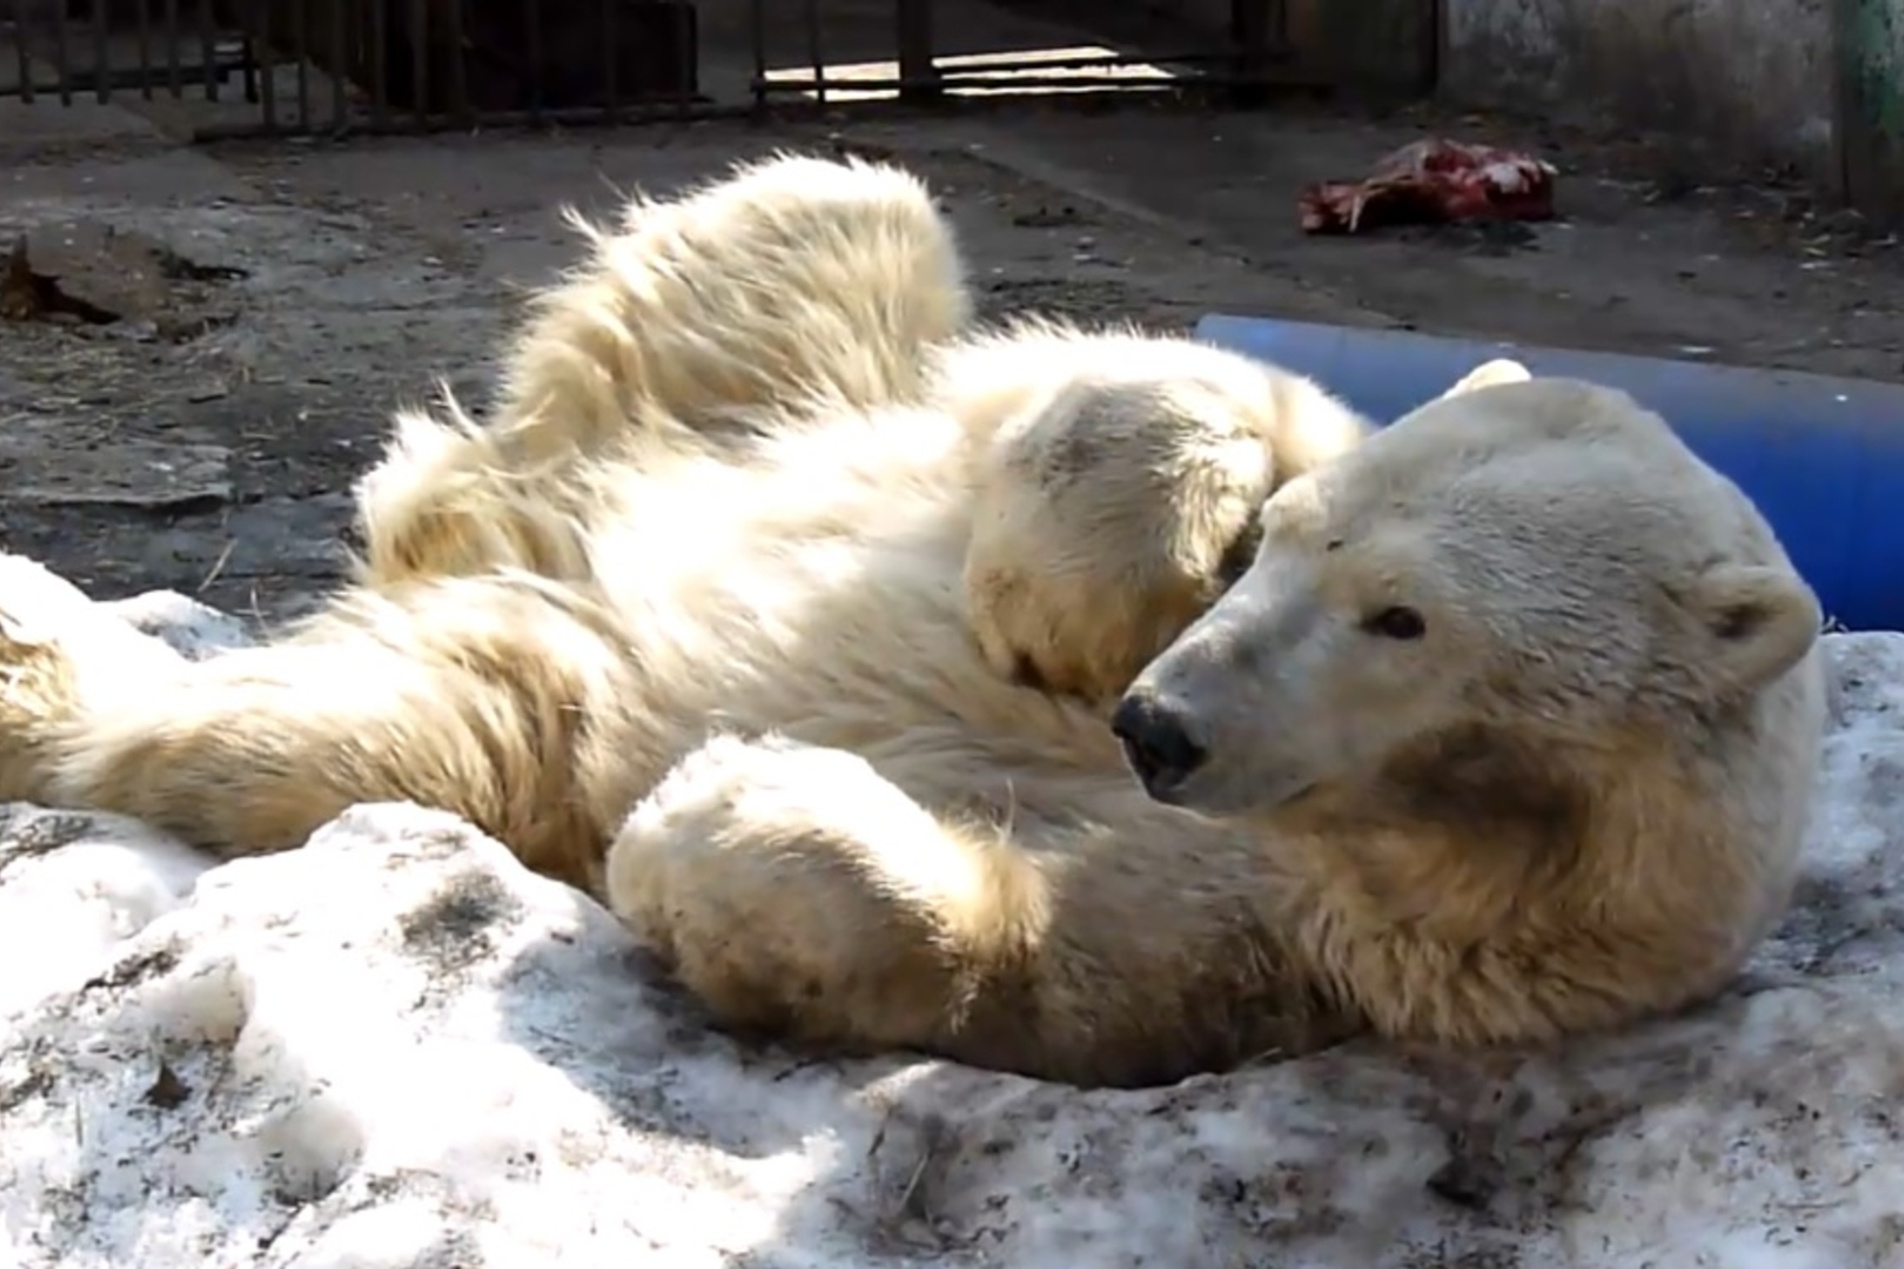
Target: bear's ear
x: 1759, y: 622
x: 1488, y: 374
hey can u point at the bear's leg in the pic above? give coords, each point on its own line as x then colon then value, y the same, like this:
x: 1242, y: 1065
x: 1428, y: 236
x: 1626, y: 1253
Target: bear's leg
x: 792, y: 280
x: 1107, y: 517
x: 801, y: 895
x: 789, y: 279
x: 1115, y: 505
x: 467, y: 703
x: 798, y: 893
x: 449, y: 498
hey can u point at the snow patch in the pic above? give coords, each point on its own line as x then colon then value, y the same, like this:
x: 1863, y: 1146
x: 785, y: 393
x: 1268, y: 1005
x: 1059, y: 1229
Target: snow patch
x: 396, y: 1047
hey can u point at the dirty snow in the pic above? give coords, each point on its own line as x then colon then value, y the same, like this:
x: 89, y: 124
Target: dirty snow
x: 398, y: 1048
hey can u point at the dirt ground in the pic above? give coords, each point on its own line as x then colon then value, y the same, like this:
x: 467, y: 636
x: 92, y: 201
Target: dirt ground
x: 290, y: 296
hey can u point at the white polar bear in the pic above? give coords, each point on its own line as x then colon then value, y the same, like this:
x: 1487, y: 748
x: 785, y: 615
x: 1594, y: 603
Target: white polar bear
x: 1505, y: 732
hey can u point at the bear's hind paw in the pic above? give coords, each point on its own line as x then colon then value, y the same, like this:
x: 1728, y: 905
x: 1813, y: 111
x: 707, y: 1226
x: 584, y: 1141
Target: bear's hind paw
x: 59, y: 654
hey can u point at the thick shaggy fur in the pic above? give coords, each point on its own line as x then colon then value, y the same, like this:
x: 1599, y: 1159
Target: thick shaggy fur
x: 722, y: 667
x: 792, y: 281
x: 1070, y: 585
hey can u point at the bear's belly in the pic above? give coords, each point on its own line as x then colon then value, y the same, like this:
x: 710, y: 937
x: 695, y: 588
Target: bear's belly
x: 843, y: 627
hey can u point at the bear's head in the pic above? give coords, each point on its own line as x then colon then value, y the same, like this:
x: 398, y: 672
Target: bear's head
x: 1508, y: 575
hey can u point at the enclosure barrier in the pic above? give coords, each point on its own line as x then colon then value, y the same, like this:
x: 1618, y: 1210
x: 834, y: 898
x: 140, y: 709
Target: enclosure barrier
x: 337, y: 67
x: 370, y: 66
x: 1823, y: 457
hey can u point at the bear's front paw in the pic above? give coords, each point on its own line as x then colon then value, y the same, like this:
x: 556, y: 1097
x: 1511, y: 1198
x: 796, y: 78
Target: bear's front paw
x: 59, y: 654
x: 1084, y: 635
x: 796, y: 892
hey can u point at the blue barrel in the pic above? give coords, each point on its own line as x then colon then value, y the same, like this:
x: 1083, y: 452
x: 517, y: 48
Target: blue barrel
x: 1823, y: 457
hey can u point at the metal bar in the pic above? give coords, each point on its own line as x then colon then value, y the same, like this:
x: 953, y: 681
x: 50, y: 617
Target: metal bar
x: 913, y: 20
x: 420, y: 63
x: 1428, y: 47
x: 267, y: 70
x: 571, y: 117
x: 62, y: 69
x: 996, y: 84
x: 173, y: 35
x: 406, y: 124
x: 359, y: 37
x: 145, y: 49
x: 686, y: 86
x: 301, y: 49
x: 816, y: 48
x: 1079, y: 62
x: 1250, y: 20
x: 102, y: 55
x: 342, y: 66
x: 23, y: 61
x: 459, y: 63
x: 611, y: 51
x: 126, y: 79
x: 379, y: 64
x: 757, y: 20
x: 533, y: 10
x: 1004, y: 84
x: 207, y: 50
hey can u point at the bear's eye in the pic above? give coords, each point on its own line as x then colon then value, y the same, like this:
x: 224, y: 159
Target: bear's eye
x: 1396, y: 623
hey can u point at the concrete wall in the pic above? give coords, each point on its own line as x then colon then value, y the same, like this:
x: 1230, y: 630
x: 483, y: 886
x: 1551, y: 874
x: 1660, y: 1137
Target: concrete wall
x: 1872, y: 105
x: 1741, y: 80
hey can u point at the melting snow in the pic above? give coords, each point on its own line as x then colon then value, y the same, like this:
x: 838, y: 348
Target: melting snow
x: 396, y: 1047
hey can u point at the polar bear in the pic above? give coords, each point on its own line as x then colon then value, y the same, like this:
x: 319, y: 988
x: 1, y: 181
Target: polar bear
x: 752, y: 714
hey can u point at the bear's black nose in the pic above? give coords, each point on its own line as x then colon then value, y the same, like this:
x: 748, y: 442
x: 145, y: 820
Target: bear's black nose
x: 1157, y: 744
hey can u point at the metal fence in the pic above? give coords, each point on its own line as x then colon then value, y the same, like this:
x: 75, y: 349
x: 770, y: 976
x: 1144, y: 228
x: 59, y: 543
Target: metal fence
x: 336, y: 67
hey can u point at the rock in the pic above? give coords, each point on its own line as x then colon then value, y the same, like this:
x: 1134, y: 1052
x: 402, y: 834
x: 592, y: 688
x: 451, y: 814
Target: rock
x: 397, y: 1047
x: 125, y: 472
x: 95, y: 273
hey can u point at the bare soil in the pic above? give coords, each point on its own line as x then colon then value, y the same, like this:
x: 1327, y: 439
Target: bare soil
x: 206, y: 439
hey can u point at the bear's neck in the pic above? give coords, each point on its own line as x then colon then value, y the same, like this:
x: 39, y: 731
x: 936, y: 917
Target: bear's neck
x: 1461, y: 833
x: 1481, y: 891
